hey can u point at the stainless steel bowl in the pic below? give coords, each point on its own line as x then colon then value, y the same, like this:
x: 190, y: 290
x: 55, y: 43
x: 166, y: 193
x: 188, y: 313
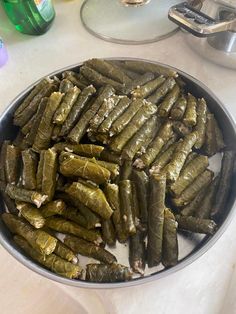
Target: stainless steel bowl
x: 192, y: 246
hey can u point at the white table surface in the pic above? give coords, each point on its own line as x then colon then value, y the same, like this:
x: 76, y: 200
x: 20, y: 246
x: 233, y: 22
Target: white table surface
x: 205, y: 287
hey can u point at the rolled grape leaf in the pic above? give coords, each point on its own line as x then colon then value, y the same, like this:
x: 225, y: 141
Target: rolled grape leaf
x: 156, y: 219
x: 79, y: 107
x: 206, y: 206
x: 147, y: 89
x: 192, y: 207
x: 108, y: 232
x: 52, y: 208
x: 49, y: 173
x: 179, y: 156
x: 66, y: 105
x: 38, y: 239
x: 108, y: 69
x: 92, y: 219
x: 143, y: 67
x: 98, y: 79
x: 105, y: 109
x: 43, y: 137
x: 178, y: 109
x: 52, y: 261
x: 23, y: 195
x: 31, y: 214
x: 107, y: 273
x: 163, y: 159
x: 112, y: 194
x: 65, y: 226
x: 85, y: 248
x: 201, y: 122
x: 92, y: 197
x: 2, y: 159
x: 168, y: 102
x: 139, y: 81
x: 31, y: 109
x: 226, y: 174
x: 114, y: 114
x: 87, y: 150
x: 12, y: 164
x: 74, y: 166
x: 65, y: 85
x: 163, y: 135
x: 190, y: 115
x: 74, y: 215
x: 111, y: 157
x: 143, y: 135
x: 143, y: 114
x: 162, y: 91
x: 189, y: 173
x: 196, y: 225
x: 141, y: 181
x: 125, y: 118
x: 201, y: 182
x: 31, y: 95
x: 137, y: 252
x: 127, y: 207
x: 30, y: 163
x: 30, y: 137
x: 65, y: 252
x: 170, y: 241
x: 39, y: 174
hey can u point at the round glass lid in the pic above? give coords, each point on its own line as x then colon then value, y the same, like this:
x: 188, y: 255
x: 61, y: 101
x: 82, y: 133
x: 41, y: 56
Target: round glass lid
x: 128, y: 21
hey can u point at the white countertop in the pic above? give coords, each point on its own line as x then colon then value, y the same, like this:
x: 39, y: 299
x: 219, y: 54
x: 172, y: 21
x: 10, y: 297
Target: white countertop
x: 205, y: 287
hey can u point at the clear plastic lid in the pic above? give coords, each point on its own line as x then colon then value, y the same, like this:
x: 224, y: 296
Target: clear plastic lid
x: 113, y: 21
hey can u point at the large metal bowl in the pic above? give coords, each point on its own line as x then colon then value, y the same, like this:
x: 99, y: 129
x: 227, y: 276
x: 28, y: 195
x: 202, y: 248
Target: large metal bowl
x: 191, y: 246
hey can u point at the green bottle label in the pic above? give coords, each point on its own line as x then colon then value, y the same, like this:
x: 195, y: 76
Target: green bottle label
x: 45, y: 8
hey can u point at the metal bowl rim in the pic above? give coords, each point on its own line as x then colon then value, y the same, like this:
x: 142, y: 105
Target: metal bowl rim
x: 185, y: 262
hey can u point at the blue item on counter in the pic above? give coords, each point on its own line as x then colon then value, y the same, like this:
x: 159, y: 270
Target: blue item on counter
x: 3, y: 53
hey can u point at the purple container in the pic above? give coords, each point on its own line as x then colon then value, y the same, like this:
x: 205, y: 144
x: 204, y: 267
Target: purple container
x: 3, y: 54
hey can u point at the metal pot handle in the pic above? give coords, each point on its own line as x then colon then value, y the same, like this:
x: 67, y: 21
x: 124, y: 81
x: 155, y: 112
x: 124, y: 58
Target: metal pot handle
x: 198, y: 23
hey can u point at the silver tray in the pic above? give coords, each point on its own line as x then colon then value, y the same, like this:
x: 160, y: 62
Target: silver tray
x: 191, y: 246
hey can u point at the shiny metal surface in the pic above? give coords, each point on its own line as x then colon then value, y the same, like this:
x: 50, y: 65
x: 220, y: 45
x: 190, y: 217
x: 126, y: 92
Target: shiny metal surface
x: 224, y: 41
x: 204, y: 48
x: 191, y: 246
x: 215, y: 19
x: 134, y: 2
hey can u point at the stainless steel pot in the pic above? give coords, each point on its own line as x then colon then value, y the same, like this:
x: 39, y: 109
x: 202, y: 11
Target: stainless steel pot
x: 213, y: 24
x: 215, y: 19
x: 192, y: 247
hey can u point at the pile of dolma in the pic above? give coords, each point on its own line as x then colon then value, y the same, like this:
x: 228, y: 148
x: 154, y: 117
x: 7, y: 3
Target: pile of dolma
x: 118, y: 151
